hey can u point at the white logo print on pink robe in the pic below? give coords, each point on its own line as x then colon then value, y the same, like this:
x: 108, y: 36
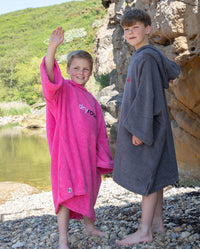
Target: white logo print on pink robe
x: 86, y: 110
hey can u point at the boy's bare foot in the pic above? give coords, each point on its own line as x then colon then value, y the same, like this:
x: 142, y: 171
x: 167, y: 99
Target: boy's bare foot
x: 90, y: 228
x: 135, y: 238
x: 63, y: 243
x: 158, y: 228
x: 94, y: 232
x: 63, y: 246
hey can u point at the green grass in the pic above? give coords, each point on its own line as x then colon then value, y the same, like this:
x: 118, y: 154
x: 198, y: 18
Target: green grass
x: 14, y: 108
x: 23, y: 43
x: 27, y: 29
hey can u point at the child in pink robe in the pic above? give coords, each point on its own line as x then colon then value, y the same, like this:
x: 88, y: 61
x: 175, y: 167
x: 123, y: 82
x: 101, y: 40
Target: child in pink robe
x: 77, y: 138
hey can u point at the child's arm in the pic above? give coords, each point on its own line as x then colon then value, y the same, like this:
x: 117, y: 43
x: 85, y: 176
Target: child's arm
x: 55, y: 40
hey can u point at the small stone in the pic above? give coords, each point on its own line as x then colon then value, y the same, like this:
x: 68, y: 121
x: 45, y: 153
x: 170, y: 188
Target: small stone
x: 107, y: 236
x: 28, y: 230
x: 18, y: 244
x: 185, y: 234
x: 80, y: 245
x: 53, y: 236
x: 73, y: 239
x: 45, y: 238
x: 96, y: 238
x: 189, y: 228
x: 6, y: 240
x: 197, y: 236
x: 177, y: 229
x: 173, y: 236
x: 161, y: 244
x: 113, y: 236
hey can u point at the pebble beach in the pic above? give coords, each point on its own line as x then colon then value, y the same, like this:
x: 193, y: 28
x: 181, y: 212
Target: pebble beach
x: 30, y: 222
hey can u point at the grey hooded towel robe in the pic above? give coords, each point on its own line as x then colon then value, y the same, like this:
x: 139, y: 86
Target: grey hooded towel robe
x: 151, y: 166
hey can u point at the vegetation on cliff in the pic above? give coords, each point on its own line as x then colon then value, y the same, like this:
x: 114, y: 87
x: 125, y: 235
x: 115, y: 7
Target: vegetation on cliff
x: 24, y: 40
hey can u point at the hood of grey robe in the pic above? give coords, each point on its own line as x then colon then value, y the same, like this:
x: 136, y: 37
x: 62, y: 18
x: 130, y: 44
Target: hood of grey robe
x: 169, y: 69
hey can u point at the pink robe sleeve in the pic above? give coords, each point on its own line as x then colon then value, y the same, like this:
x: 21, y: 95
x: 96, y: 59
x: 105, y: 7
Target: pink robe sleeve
x: 104, y: 158
x: 50, y: 90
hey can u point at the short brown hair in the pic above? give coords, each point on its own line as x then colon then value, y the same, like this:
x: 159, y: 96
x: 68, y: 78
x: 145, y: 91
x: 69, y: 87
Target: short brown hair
x: 80, y: 54
x: 132, y: 16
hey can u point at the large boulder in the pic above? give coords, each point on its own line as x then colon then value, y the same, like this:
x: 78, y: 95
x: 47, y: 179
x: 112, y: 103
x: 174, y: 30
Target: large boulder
x: 37, y: 119
x: 11, y: 190
x: 175, y: 31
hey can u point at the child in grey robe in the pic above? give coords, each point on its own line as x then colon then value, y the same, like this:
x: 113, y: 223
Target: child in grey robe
x: 145, y: 160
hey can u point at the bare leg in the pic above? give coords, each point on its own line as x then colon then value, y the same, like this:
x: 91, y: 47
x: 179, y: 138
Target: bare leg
x: 144, y: 233
x: 63, y: 223
x: 157, y: 224
x: 90, y: 228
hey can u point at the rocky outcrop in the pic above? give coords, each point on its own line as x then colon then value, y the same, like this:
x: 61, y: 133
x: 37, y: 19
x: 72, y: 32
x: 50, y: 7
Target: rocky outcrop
x: 9, y: 190
x: 106, y: 3
x: 110, y: 101
x: 34, y: 121
x: 175, y: 31
x: 37, y: 119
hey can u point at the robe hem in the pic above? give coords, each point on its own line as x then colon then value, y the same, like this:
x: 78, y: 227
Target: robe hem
x: 76, y: 215
x: 144, y: 193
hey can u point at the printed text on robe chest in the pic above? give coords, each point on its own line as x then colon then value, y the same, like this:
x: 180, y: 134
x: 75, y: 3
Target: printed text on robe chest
x: 86, y: 110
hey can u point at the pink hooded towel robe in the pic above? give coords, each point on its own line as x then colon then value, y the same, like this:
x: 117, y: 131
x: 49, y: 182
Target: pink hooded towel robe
x: 78, y: 144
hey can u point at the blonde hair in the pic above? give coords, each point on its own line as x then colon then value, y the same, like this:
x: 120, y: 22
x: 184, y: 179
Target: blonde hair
x: 80, y: 54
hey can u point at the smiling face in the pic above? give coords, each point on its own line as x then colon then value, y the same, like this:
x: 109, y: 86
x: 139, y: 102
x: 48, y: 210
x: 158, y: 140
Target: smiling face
x: 79, y: 71
x: 137, y: 34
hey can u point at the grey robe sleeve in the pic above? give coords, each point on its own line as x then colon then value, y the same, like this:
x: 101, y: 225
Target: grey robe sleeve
x: 139, y: 120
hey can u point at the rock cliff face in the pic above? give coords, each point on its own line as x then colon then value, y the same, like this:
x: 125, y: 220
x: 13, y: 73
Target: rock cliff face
x: 175, y: 31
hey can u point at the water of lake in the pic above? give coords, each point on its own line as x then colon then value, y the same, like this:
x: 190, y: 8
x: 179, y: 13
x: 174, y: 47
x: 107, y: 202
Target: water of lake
x: 24, y: 158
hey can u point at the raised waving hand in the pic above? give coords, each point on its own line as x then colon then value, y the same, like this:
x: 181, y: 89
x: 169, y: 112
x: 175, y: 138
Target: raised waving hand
x: 56, y: 38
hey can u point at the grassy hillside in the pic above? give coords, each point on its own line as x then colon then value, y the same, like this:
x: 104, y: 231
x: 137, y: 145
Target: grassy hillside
x: 24, y: 39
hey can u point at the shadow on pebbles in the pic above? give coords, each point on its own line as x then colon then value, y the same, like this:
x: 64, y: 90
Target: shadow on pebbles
x: 30, y: 222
